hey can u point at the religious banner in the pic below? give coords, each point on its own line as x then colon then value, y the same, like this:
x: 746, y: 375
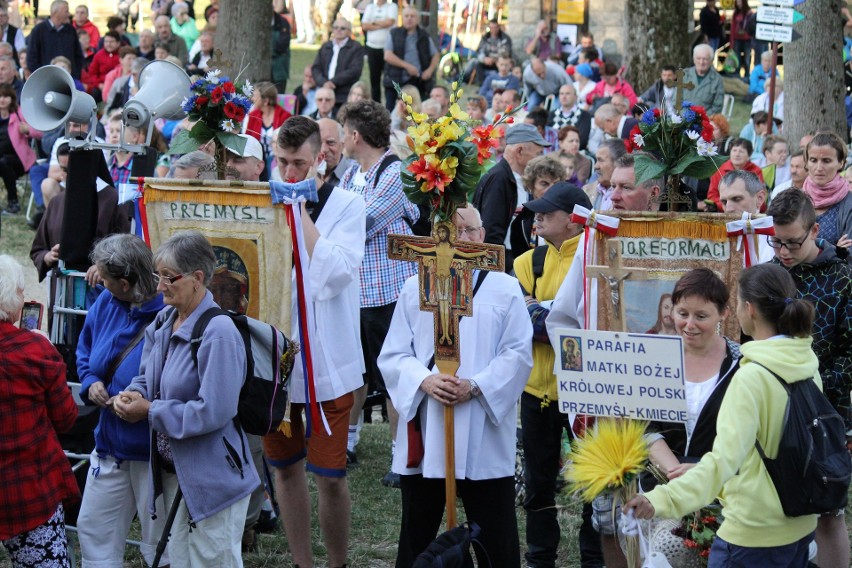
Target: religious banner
x: 250, y: 238
x: 630, y: 275
x: 623, y: 375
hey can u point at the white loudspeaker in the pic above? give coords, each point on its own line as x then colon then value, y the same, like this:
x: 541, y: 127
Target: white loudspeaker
x: 50, y: 99
x: 162, y: 88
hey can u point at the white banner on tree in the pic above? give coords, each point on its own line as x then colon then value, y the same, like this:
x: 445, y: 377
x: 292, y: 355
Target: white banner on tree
x: 623, y: 375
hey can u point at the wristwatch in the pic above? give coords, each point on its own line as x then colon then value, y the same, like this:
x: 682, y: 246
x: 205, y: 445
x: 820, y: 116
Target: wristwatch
x: 474, y: 389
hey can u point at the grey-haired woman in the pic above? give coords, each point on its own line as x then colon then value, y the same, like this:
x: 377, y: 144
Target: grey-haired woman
x: 108, y: 356
x: 191, y: 409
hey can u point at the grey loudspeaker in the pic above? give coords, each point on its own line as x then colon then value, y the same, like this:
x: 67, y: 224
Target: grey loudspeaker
x: 162, y: 88
x: 50, y: 99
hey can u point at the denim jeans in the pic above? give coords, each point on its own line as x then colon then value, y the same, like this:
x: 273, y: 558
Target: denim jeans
x: 726, y: 555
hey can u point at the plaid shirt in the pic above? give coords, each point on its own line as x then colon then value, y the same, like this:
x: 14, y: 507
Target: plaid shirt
x: 120, y: 174
x: 35, y: 404
x: 387, y: 207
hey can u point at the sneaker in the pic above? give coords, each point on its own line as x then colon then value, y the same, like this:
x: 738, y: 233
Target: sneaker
x: 391, y: 479
x: 249, y: 543
x: 351, y: 459
x: 12, y: 208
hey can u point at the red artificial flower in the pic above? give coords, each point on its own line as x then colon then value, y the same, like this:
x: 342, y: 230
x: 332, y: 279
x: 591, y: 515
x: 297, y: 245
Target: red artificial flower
x: 704, y: 553
x: 485, y: 138
x: 707, y: 131
x: 216, y: 95
x: 201, y: 101
x: 229, y: 88
x: 708, y: 520
x: 510, y: 120
x: 657, y: 113
x: 699, y: 110
x: 234, y: 111
x: 690, y: 543
x: 434, y: 177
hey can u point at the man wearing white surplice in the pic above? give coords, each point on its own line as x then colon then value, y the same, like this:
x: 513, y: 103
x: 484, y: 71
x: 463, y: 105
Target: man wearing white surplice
x: 496, y: 359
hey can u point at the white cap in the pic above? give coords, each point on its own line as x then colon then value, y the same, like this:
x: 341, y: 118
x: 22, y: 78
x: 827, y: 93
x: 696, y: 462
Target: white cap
x: 252, y: 149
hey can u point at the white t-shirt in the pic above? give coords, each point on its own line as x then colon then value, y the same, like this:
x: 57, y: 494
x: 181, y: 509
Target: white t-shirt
x: 696, y: 397
x: 374, y: 13
x: 523, y: 197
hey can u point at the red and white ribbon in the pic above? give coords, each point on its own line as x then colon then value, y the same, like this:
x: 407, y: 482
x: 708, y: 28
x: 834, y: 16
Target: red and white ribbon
x: 590, y: 219
x: 750, y: 229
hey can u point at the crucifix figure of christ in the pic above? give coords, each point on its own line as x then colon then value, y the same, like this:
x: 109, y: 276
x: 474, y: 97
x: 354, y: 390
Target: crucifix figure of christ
x: 679, y: 86
x: 445, y: 268
x: 614, y: 275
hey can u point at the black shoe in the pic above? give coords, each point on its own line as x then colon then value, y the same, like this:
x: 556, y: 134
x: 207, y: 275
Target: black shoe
x: 391, y: 479
x: 13, y: 208
x: 351, y: 459
x: 266, y: 523
x: 36, y: 220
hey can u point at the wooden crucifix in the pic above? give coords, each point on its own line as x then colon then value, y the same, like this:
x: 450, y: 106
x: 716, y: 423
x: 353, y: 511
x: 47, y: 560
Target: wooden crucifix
x: 614, y: 274
x: 444, y: 271
x: 679, y: 86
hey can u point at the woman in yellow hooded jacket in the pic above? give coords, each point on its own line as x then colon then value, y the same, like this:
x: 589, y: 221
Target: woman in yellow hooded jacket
x: 755, y: 531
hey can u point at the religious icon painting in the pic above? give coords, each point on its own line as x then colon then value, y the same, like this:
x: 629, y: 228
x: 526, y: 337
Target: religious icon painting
x: 631, y: 275
x: 572, y: 353
x: 249, y: 236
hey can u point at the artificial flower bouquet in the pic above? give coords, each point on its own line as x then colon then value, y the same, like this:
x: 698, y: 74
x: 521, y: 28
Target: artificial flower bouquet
x: 217, y: 106
x: 675, y: 144
x: 449, y: 155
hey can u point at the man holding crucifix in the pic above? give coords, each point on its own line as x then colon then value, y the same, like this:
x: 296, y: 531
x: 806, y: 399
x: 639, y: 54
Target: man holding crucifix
x: 496, y: 359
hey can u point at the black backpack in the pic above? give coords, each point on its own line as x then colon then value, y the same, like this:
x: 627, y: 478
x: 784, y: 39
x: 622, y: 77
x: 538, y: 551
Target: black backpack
x: 452, y: 549
x: 812, y: 470
x: 269, y: 361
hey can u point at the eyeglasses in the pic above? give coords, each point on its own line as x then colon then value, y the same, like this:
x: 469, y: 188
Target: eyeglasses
x: 468, y: 230
x: 791, y: 245
x: 340, y: 28
x: 168, y: 280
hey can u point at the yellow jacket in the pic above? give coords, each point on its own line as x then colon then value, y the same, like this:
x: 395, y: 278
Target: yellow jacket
x: 542, y: 381
x: 753, y: 408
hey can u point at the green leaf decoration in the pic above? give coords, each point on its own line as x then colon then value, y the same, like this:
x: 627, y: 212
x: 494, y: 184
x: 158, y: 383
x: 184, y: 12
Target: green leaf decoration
x: 705, y: 168
x: 232, y: 142
x: 183, y: 143
x: 647, y: 168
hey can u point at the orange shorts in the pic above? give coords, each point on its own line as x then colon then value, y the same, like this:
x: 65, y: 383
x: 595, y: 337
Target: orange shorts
x: 326, y: 454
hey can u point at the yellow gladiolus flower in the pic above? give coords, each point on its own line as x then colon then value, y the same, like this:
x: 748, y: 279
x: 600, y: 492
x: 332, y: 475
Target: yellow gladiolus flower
x: 458, y: 114
x: 407, y: 98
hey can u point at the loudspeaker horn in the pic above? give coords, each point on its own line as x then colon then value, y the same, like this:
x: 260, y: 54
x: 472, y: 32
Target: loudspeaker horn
x: 50, y: 99
x: 162, y: 88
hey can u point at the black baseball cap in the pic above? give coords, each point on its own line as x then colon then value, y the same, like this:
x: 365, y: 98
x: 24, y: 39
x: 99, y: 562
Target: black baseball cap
x: 562, y: 196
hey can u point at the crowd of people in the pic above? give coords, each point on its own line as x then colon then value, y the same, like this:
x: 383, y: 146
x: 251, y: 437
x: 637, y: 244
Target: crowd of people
x: 167, y: 404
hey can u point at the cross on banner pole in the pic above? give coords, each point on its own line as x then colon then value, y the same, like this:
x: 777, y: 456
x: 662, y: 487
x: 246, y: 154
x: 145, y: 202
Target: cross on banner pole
x: 444, y: 267
x: 614, y: 274
x: 679, y: 86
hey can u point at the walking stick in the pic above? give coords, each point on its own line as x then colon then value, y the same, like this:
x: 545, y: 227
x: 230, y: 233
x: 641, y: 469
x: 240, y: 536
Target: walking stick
x: 164, y: 539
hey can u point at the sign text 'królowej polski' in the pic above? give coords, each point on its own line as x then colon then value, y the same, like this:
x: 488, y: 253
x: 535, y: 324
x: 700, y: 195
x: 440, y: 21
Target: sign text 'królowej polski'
x: 627, y: 375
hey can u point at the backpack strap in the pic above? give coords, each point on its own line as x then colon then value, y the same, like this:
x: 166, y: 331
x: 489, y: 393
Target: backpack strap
x: 195, y: 344
x: 538, y: 257
x: 387, y: 161
x: 787, y: 388
x: 198, y: 330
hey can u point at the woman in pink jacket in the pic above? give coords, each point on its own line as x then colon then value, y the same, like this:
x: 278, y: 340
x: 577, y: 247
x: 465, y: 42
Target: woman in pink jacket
x: 16, y: 155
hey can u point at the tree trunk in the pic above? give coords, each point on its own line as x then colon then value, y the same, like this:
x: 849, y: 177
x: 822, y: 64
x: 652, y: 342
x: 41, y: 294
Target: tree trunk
x: 657, y: 35
x: 245, y: 38
x: 813, y: 67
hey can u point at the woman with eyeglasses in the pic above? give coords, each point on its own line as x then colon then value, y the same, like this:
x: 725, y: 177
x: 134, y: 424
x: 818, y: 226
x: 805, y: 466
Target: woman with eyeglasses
x: 190, y: 409
x: 108, y: 356
x: 825, y: 160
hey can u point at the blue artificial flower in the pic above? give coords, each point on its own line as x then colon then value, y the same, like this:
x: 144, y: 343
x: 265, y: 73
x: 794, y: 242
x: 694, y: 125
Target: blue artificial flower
x: 198, y: 84
x: 189, y: 103
x: 686, y: 104
x: 648, y: 117
x: 688, y: 115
